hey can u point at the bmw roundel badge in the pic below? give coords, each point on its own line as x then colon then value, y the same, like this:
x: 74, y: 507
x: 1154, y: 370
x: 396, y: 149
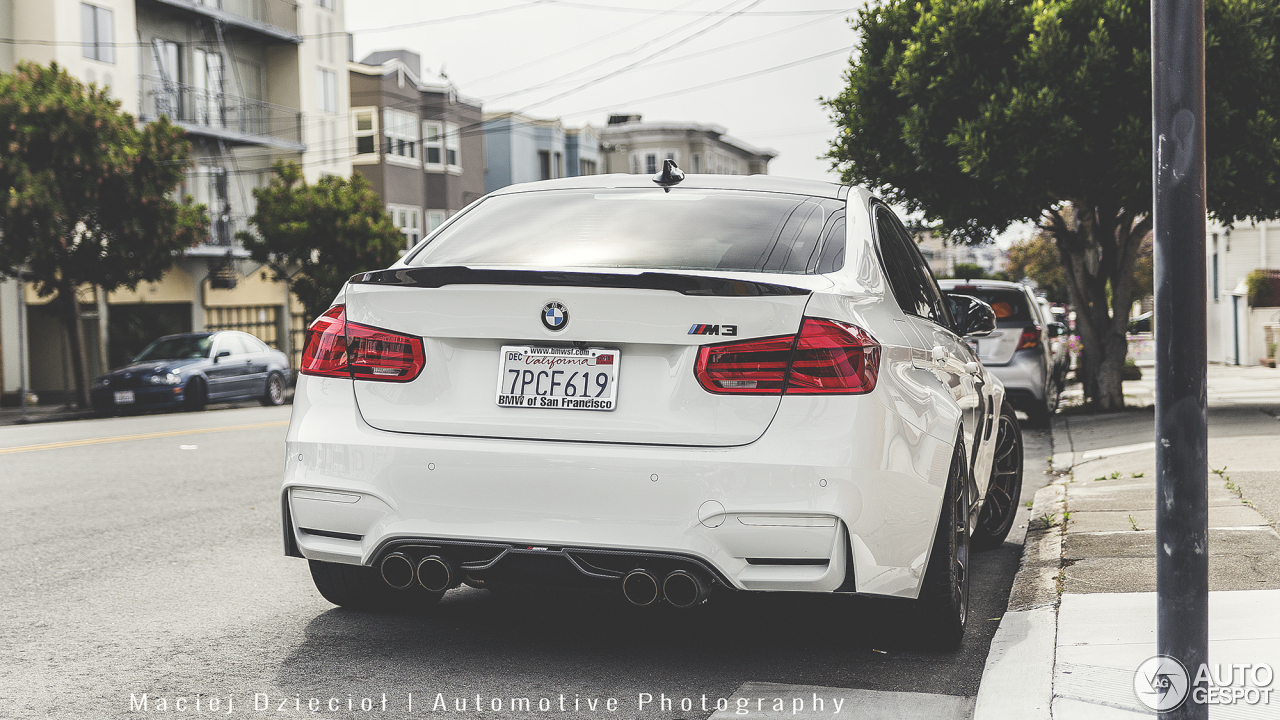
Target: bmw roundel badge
x: 555, y: 316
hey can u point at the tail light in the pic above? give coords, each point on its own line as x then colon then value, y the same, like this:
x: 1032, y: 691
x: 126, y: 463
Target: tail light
x: 1030, y: 338
x: 752, y: 367
x: 833, y: 358
x: 827, y: 357
x: 338, y: 348
x: 325, y: 352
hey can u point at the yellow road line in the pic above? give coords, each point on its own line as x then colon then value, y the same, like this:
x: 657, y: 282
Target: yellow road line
x: 140, y: 436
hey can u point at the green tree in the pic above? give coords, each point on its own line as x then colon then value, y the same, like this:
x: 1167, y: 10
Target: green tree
x: 980, y: 113
x: 86, y: 195
x: 1037, y: 258
x: 316, y: 236
x: 969, y: 271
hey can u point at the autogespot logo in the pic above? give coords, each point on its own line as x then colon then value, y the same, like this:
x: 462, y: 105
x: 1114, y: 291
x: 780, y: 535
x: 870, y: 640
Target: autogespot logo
x: 1161, y: 683
x: 555, y: 316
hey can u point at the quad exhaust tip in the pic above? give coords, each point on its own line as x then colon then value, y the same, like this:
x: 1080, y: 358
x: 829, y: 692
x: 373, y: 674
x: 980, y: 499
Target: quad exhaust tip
x: 641, y: 588
x: 437, y: 574
x: 397, y: 570
x: 684, y: 589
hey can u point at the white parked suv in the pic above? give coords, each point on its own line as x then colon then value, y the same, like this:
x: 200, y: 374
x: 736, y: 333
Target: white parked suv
x: 667, y: 386
x: 1021, y: 350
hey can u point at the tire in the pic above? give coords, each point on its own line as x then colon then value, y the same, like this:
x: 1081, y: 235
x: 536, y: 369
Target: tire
x: 1000, y: 508
x: 357, y: 587
x: 195, y: 396
x: 1038, y: 416
x: 944, y: 596
x: 274, y: 393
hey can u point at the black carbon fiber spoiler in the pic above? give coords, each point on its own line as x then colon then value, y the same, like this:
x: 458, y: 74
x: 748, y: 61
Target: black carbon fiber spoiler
x: 436, y: 277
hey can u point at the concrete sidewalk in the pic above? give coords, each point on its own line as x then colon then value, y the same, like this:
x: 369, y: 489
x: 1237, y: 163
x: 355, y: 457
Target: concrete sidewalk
x: 1081, y: 616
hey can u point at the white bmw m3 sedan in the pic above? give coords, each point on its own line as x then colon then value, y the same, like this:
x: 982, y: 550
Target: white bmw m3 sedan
x: 666, y: 386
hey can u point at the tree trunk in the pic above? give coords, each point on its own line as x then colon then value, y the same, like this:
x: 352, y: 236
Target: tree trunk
x: 75, y: 336
x: 1099, y: 249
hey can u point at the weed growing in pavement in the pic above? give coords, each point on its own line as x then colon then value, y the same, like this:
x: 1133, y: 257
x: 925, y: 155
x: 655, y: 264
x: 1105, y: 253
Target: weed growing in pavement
x: 1220, y: 472
x: 1066, y: 518
x: 1047, y: 520
x: 1136, y: 475
x: 1230, y: 485
x: 1133, y: 524
x: 1104, y: 477
x: 1115, y: 475
x: 1029, y: 504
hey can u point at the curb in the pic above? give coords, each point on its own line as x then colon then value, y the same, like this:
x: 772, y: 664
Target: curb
x: 1017, y: 681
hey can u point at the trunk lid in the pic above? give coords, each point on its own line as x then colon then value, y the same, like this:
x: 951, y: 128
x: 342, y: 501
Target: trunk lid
x: 466, y: 316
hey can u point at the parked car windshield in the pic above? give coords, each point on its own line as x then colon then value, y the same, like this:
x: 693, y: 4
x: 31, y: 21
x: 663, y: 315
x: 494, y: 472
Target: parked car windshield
x: 1010, y: 305
x: 179, y: 347
x: 684, y: 229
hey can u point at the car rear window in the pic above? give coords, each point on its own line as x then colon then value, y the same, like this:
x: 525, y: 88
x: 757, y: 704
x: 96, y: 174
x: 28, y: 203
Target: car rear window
x: 684, y: 229
x: 1010, y: 305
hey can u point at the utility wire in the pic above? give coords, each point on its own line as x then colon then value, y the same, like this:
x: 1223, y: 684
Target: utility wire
x: 641, y: 61
x: 615, y: 56
x: 709, y: 51
x: 579, y: 46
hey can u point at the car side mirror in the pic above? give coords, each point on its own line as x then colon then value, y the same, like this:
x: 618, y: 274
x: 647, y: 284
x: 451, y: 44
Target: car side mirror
x: 973, y: 317
x: 1057, y: 330
x: 222, y: 354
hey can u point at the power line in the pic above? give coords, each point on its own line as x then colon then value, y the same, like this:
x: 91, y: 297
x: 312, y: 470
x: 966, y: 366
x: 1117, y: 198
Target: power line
x: 641, y: 61
x: 615, y: 8
x: 566, y: 51
x: 624, y: 53
x: 718, y: 48
x: 725, y: 81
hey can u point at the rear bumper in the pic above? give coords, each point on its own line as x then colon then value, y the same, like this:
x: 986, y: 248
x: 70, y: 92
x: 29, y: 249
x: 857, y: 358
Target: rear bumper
x: 859, y: 496
x: 1025, y: 376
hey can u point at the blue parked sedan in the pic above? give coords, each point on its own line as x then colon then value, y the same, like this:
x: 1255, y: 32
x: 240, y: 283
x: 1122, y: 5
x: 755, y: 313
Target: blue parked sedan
x: 192, y: 370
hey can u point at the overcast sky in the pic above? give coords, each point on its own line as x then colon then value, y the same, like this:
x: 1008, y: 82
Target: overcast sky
x: 582, y: 60
x: 523, y: 58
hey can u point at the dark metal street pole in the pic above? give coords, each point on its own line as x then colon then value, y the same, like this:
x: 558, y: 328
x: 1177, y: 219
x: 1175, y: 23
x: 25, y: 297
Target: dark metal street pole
x: 1182, y: 446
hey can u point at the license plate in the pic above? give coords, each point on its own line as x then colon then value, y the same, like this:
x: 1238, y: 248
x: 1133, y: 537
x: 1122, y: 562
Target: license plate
x: 558, y: 378
x: 124, y: 397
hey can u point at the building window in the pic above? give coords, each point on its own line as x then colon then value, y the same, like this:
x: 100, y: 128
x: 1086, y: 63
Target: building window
x: 544, y: 165
x: 405, y: 218
x: 695, y: 163
x: 1214, y: 271
x: 97, y: 35
x: 586, y: 167
x: 402, y: 133
x: 326, y: 90
x: 650, y: 163
x: 440, y: 145
x: 433, y: 142
x: 364, y: 128
x: 326, y: 4
x: 451, y: 145
x: 206, y: 82
x: 557, y: 165
x: 435, y: 218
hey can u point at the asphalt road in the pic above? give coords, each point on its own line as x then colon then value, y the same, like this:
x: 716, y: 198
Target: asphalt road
x: 143, y: 555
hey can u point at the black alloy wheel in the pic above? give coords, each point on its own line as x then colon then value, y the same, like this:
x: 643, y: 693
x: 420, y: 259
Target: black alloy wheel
x: 944, y: 596
x: 1001, y: 506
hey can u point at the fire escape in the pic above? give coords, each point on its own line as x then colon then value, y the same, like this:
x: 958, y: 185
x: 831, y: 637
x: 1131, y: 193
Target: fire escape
x: 201, y: 89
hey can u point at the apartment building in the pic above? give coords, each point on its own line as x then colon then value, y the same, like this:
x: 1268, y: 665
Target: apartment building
x: 416, y: 139
x: 634, y: 146
x: 522, y: 149
x: 251, y: 82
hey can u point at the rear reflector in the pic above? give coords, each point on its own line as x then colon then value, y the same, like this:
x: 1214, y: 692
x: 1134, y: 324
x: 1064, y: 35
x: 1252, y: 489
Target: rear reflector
x: 828, y: 357
x: 338, y: 348
x: 1029, y: 339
